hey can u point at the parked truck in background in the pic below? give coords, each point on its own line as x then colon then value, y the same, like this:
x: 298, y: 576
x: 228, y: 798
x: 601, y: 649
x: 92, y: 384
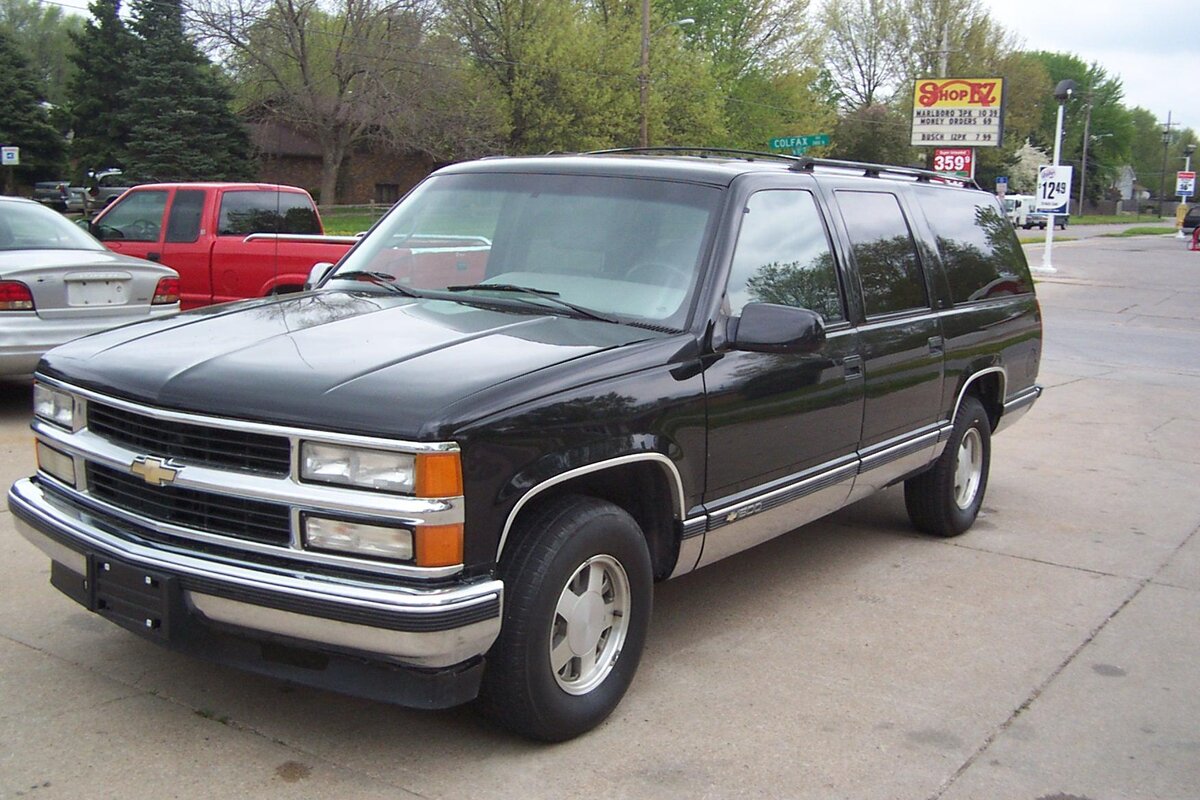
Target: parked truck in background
x: 1022, y: 213
x: 228, y: 241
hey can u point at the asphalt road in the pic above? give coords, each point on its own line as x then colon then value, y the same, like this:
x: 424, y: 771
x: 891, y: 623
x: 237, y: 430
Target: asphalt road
x: 1050, y: 652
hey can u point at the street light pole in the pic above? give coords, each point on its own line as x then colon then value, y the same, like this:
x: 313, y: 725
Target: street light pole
x: 1062, y: 93
x: 644, y: 72
x: 644, y: 77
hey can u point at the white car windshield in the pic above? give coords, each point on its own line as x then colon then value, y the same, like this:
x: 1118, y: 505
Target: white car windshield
x: 626, y: 249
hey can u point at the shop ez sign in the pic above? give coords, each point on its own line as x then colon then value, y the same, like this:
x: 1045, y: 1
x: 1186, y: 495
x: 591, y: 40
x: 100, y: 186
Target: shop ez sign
x: 1053, y: 189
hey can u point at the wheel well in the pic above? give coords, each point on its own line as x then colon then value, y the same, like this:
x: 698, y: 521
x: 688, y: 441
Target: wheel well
x: 643, y: 491
x: 988, y: 390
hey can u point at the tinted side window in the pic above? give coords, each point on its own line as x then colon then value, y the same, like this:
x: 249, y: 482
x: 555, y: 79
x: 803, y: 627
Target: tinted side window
x: 266, y: 212
x: 888, y: 265
x: 183, y: 223
x: 783, y: 256
x: 978, y: 245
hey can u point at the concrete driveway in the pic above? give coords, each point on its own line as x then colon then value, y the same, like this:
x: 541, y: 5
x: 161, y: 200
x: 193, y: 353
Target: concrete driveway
x: 1051, y: 652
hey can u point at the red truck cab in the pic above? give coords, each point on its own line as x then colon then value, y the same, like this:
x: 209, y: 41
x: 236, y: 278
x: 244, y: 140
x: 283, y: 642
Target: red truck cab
x: 227, y: 241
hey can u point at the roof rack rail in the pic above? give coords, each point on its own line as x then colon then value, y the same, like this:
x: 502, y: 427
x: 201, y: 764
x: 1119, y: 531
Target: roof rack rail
x: 807, y: 163
x: 703, y: 152
x: 803, y: 163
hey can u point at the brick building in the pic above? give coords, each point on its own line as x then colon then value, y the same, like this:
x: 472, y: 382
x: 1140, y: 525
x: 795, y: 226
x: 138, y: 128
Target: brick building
x: 367, y: 176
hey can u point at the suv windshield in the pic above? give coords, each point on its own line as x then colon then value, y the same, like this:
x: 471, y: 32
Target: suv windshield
x: 623, y: 248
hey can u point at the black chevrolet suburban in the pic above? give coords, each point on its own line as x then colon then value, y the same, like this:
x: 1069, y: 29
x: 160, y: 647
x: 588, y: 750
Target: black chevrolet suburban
x: 455, y: 469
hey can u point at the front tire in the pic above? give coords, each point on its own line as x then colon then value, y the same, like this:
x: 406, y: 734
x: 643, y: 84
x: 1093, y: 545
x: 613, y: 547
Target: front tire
x: 578, y: 590
x: 945, y: 499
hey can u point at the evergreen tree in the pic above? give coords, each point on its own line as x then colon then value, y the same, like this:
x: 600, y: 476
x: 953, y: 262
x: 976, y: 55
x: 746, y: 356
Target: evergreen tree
x: 24, y: 122
x: 178, y: 105
x: 101, y: 58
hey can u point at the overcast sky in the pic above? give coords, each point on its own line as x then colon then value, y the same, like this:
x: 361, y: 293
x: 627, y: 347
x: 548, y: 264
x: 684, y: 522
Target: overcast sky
x: 1152, y: 45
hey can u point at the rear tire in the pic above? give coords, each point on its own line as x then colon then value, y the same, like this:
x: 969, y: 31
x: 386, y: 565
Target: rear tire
x: 945, y: 499
x: 577, y: 594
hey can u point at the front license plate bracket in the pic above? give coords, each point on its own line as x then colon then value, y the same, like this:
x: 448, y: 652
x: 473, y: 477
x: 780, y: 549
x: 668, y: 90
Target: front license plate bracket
x: 142, y: 601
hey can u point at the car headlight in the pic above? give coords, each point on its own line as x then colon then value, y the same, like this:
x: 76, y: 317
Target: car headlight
x: 54, y: 406
x: 423, y: 475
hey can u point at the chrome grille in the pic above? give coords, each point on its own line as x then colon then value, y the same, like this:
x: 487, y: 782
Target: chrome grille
x: 192, y: 444
x: 255, y: 520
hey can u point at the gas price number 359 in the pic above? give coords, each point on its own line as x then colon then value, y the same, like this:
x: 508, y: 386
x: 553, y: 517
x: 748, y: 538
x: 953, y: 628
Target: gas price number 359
x: 943, y: 162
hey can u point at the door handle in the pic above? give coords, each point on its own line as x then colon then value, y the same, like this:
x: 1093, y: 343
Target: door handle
x: 153, y: 256
x: 853, y: 367
x: 937, y: 345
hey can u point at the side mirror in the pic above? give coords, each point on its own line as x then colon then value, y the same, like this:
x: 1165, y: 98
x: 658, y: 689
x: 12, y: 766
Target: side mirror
x: 318, y: 273
x: 86, y: 225
x: 770, y: 328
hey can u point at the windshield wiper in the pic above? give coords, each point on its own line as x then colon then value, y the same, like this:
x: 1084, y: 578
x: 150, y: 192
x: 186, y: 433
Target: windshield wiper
x: 542, y: 294
x: 378, y: 278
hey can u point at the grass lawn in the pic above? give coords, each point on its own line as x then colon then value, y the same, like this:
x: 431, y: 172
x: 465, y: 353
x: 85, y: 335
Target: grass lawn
x: 1118, y: 219
x: 351, y: 219
x: 1145, y: 230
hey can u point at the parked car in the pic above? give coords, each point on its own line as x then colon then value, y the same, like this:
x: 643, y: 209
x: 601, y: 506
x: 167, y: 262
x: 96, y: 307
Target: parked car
x: 228, y: 241
x: 1191, y: 220
x: 58, y: 283
x: 59, y: 195
x: 435, y: 478
x: 105, y: 187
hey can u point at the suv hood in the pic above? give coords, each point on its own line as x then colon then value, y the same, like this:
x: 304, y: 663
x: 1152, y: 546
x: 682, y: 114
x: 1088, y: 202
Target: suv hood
x: 352, y: 362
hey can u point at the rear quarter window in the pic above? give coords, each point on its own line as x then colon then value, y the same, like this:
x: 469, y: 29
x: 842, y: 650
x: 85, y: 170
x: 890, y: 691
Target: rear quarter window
x: 243, y: 213
x: 978, y: 246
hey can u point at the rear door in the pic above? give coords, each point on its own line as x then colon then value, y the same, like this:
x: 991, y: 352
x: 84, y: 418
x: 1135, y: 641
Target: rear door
x: 187, y: 244
x: 899, y: 335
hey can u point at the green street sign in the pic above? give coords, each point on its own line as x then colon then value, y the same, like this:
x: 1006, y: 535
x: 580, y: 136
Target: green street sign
x: 787, y: 142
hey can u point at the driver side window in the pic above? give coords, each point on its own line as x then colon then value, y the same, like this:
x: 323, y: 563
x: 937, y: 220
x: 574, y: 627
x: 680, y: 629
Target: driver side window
x: 136, y: 218
x: 783, y: 256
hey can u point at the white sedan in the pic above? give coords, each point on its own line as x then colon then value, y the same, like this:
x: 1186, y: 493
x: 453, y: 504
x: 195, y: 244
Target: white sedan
x: 58, y: 283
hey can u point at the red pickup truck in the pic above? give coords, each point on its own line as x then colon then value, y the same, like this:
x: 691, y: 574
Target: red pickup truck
x: 226, y: 240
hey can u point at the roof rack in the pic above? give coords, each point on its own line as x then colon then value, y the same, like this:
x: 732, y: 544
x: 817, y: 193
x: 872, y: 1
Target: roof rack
x: 804, y: 163
x: 702, y: 152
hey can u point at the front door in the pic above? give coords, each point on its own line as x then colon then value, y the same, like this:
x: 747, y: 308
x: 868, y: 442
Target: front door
x: 783, y: 428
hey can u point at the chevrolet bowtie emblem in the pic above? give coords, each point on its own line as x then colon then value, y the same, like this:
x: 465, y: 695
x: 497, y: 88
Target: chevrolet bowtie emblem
x: 153, y: 471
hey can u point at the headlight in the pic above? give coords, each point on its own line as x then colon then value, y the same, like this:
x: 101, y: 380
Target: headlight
x: 54, y: 406
x: 355, y: 466
x: 423, y: 475
x: 358, y: 538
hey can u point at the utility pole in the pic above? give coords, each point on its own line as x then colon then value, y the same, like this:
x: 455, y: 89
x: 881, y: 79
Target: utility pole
x: 1162, y: 178
x: 1087, y: 125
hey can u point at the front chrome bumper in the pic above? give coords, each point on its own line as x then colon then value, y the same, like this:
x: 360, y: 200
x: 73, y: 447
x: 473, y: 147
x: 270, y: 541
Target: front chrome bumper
x: 407, y: 625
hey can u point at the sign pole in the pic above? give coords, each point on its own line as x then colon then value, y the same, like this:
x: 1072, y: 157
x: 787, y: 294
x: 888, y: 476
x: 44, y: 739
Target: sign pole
x: 1047, y: 265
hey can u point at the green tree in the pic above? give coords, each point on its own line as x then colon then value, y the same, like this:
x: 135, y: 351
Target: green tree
x: 1094, y: 110
x: 25, y: 123
x: 355, y: 73
x: 863, y: 49
x: 568, y: 74
x: 878, y: 134
x: 178, y: 105
x: 101, y: 56
x: 44, y: 34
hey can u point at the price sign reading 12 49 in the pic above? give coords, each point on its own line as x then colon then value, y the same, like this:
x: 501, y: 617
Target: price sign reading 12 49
x: 1053, y: 189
